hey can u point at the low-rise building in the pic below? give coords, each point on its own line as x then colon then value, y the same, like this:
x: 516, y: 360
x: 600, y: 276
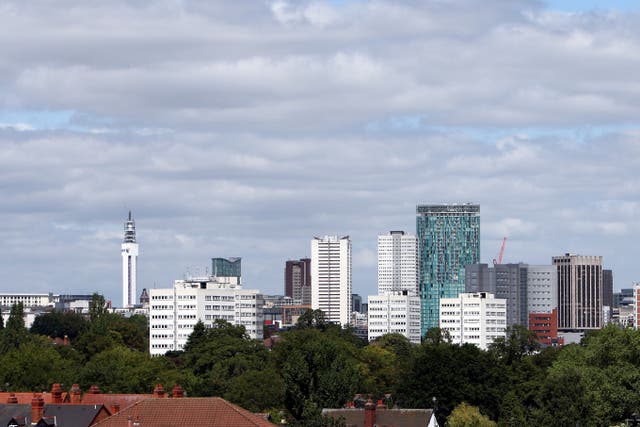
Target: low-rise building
x: 174, y: 312
x: 394, y: 312
x: 475, y: 318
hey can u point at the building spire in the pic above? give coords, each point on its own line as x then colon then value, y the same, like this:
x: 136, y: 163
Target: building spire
x: 130, y: 230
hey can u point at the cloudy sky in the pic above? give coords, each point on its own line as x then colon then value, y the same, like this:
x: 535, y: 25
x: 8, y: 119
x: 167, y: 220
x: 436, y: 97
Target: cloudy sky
x: 243, y: 128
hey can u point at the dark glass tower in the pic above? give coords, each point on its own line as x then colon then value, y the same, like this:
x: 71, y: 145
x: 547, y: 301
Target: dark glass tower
x: 448, y: 241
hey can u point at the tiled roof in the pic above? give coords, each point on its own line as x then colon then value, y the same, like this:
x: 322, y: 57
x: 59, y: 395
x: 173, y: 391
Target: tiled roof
x: 384, y: 417
x: 186, y: 412
x: 111, y: 400
x: 73, y: 415
x: 27, y: 396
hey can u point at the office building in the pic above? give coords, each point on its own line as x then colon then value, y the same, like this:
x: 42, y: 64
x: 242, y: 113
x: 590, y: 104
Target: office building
x: 542, y: 288
x: 227, y: 267
x: 397, y: 262
x: 297, y: 280
x: 331, y: 277
x: 174, y: 312
x: 129, y: 252
x: 506, y: 281
x: 474, y: 318
x: 448, y: 240
x: 579, y: 292
x: 394, y: 312
x: 545, y: 326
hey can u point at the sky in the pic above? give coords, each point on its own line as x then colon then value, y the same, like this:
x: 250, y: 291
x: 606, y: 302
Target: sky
x: 246, y: 128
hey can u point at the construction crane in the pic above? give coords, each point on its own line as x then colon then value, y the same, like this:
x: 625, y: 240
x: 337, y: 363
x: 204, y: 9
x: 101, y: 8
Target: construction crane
x: 499, y: 260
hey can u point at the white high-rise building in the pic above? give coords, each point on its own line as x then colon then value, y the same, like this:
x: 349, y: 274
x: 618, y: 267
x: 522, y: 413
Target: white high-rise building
x: 331, y: 277
x: 394, y: 312
x: 475, y: 318
x: 174, y: 312
x: 129, y: 252
x: 397, y: 262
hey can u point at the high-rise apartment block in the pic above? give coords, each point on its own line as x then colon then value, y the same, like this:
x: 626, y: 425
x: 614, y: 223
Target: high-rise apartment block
x: 448, y: 241
x: 476, y: 318
x: 129, y: 252
x: 227, y: 267
x: 397, y: 262
x: 297, y: 281
x: 174, y: 312
x: 394, y: 312
x: 579, y: 292
x: 331, y: 277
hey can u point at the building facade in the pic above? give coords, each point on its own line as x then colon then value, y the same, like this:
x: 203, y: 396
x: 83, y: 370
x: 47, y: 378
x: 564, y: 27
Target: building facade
x: 506, y: 281
x: 227, y: 267
x: 397, y: 262
x: 129, y: 252
x: 174, y: 312
x: 331, y: 277
x: 545, y: 326
x: 579, y: 292
x: 475, y: 318
x: 394, y: 312
x: 448, y: 240
x: 297, y: 280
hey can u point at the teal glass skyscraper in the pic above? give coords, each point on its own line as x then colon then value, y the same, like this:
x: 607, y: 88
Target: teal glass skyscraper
x: 448, y: 240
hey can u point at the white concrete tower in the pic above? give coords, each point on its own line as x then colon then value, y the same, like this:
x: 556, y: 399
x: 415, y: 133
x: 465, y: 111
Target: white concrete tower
x: 129, y: 250
x: 331, y: 277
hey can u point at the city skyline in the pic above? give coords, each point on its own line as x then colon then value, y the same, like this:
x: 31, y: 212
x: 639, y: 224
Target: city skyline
x: 245, y: 128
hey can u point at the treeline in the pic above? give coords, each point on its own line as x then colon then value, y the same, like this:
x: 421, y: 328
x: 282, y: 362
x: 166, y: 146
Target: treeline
x: 319, y: 365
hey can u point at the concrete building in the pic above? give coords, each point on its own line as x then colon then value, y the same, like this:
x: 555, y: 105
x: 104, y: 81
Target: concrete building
x: 297, y: 281
x: 397, y: 262
x: 174, y: 312
x: 129, y: 252
x: 448, y: 240
x: 506, y: 281
x: 394, y: 312
x: 475, y: 318
x: 331, y: 277
x: 542, y: 288
x: 579, y: 292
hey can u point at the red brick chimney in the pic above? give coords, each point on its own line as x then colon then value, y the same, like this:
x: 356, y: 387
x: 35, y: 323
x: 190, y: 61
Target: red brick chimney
x: 12, y: 398
x: 94, y: 389
x: 381, y: 405
x: 158, y: 391
x: 369, y: 413
x: 56, y: 393
x: 37, y: 408
x: 66, y: 340
x: 115, y: 408
x: 75, y: 394
x: 177, y: 391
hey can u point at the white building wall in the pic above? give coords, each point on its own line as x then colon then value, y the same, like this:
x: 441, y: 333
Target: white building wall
x: 474, y: 318
x: 331, y: 277
x: 129, y: 253
x: 394, y: 312
x: 174, y: 312
x: 542, y: 288
x: 397, y: 262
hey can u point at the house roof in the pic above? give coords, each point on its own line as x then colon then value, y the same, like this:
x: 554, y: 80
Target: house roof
x: 25, y: 397
x: 7, y: 412
x: 111, y: 400
x: 384, y: 417
x: 73, y: 415
x: 185, y: 412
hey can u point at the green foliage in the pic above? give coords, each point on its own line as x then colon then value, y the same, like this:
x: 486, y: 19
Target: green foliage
x: 14, y: 334
x: 59, y: 324
x: 465, y: 415
x: 319, y: 371
x: 519, y: 342
x: 35, y: 365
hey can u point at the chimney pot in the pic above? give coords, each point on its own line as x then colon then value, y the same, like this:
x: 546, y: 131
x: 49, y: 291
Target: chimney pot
x: 56, y: 393
x: 381, y: 405
x: 158, y: 391
x: 94, y: 389
x: 37, y: 408
x: 75, y: 394
x: 369, y: 413
x: 12, y: 398
x: 177, y: 391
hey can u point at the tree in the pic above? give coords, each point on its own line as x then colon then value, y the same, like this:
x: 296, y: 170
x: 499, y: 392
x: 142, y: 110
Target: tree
x: 59, y: 324
x: 14, y: 333
x: 465, y: 415
x: 97, y: 307
x: 16, y: 318
x: 518, y: 343
x: 319, y: 371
